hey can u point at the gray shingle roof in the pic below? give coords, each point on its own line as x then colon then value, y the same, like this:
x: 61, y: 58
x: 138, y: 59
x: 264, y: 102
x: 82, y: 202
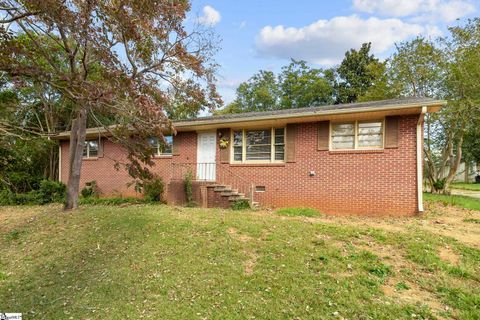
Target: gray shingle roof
x: 319, y: 109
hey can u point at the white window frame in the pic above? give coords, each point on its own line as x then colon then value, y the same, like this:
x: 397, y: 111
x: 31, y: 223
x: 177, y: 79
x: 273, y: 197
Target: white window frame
x: 244, y: 146
x: 162, y: 154
x: 87, y: 145
x: 355, y: 142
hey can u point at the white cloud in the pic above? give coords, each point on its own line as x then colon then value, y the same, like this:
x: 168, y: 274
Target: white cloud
x: 229, y: 83
x: 325, y: 41
x: 210, y: 16
x: 242, y: 25
x: 439, y: 10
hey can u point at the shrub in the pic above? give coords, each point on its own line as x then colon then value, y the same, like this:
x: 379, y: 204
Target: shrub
x: 241, y: 204
x: 294, y: 212
x: 90, y: 190
x: 7, y: 197
x: 153, y: 189
x: 50, y: 191
x: 189, y: 189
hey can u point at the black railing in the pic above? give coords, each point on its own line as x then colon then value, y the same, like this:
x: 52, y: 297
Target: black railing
x: 211, y: 172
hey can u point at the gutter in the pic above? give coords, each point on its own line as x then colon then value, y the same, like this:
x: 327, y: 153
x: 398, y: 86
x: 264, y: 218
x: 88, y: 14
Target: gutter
x: 60, y: 162
x: 420, y: 159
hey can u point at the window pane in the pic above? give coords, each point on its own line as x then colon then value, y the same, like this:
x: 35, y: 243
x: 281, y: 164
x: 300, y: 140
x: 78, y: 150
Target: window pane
x: 93, y: 148
x: 237, y: 145
x: 85, y: 151
x: 280, y: 144
x: 237, y: 138
x: 279, y: 152
x: 237, y: 153
x: 259, y: 144
x: 343, y: 136
x: 153, y: 142
x: 370, y: 134
x: 167, y: 148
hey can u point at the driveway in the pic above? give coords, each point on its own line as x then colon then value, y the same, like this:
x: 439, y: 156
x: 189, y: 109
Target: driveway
x: 468, y: 193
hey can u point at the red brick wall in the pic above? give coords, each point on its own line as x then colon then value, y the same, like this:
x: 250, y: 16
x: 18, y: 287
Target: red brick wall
x: 113, y: 182
x: 355, y: 182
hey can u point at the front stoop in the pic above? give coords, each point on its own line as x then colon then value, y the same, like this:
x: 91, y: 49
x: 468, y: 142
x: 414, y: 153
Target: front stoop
x: 223, y: 196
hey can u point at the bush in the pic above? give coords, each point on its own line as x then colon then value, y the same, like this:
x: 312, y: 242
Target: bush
x: 7, y: 197
x: 50, y: 191
x: 153, y: 190
x: 294, y: 212
x: 241, y: 204
x: 189, y: 189
x: 90, y: 190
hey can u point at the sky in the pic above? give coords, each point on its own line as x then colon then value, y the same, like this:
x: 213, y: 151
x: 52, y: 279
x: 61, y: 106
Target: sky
x: 265, y: 34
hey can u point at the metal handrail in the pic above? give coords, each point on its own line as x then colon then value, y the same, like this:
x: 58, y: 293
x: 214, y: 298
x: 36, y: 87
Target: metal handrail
x: 221, y: 175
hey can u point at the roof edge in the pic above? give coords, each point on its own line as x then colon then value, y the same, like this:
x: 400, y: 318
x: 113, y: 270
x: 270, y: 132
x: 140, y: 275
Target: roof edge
x: 433, y: 106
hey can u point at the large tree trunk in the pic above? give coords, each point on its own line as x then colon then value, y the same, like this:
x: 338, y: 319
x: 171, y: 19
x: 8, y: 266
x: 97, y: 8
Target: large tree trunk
x: 77, y: 143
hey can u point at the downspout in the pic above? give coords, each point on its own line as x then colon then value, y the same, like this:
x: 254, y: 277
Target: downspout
x: 420, y: 159
x: 60, y: 161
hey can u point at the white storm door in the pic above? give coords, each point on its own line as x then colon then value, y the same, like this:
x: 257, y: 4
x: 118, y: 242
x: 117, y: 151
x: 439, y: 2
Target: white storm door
x: 206, y: 149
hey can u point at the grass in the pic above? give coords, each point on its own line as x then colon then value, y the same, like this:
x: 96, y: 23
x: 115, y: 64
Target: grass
x: 454, y: 200
x: 160, y: 262
x: 466, y: 186
x: 297, y: 212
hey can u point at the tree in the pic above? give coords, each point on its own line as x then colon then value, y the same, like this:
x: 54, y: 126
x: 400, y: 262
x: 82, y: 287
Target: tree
x: 357, y: 72
x: 460, y: 118
x: 259, y: 93
x: 382, y: 86
x: 110, y: 59
x: 302, y: 86
x: 418, y: 68
x: 297, y: 86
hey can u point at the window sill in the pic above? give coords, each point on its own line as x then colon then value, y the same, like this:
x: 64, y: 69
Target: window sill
x: 356, y: 151
x: 163, y: 156
x: 257, y: 164
x: 90, y: 159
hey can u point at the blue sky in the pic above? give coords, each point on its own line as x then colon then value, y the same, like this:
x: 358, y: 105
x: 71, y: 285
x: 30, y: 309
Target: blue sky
x: 264, y: 34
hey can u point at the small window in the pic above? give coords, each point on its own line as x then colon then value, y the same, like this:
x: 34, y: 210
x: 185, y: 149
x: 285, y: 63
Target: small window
x: 357, y: 135
x: 90, y: 149
x: 161, y: 148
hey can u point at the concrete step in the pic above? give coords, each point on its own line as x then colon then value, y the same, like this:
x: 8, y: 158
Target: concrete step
x: 237, y: 197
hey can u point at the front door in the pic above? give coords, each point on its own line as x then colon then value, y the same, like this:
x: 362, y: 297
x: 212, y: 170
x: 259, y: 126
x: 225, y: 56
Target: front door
x: 206, y: 156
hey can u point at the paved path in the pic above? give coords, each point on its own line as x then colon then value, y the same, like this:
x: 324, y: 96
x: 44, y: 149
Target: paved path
x: 468, y: 193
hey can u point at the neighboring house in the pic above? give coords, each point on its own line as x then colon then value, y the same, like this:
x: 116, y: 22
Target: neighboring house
x: 466, y: 172
x: 361, y: 158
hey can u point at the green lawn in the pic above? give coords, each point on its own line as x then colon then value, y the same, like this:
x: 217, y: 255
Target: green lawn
x: 159, y: 262
x: 466, y: 186
x: 455, y: 200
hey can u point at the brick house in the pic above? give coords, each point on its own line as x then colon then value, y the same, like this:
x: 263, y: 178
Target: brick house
x: 361, y: 158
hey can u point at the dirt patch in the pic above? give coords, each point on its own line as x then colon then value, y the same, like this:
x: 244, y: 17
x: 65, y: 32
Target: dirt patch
x: 437, y: 218
x: 251, y: 262
x: 411, y: 293
x: 398, y: 287
x: 448, y: 255
x: 240, y: 237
